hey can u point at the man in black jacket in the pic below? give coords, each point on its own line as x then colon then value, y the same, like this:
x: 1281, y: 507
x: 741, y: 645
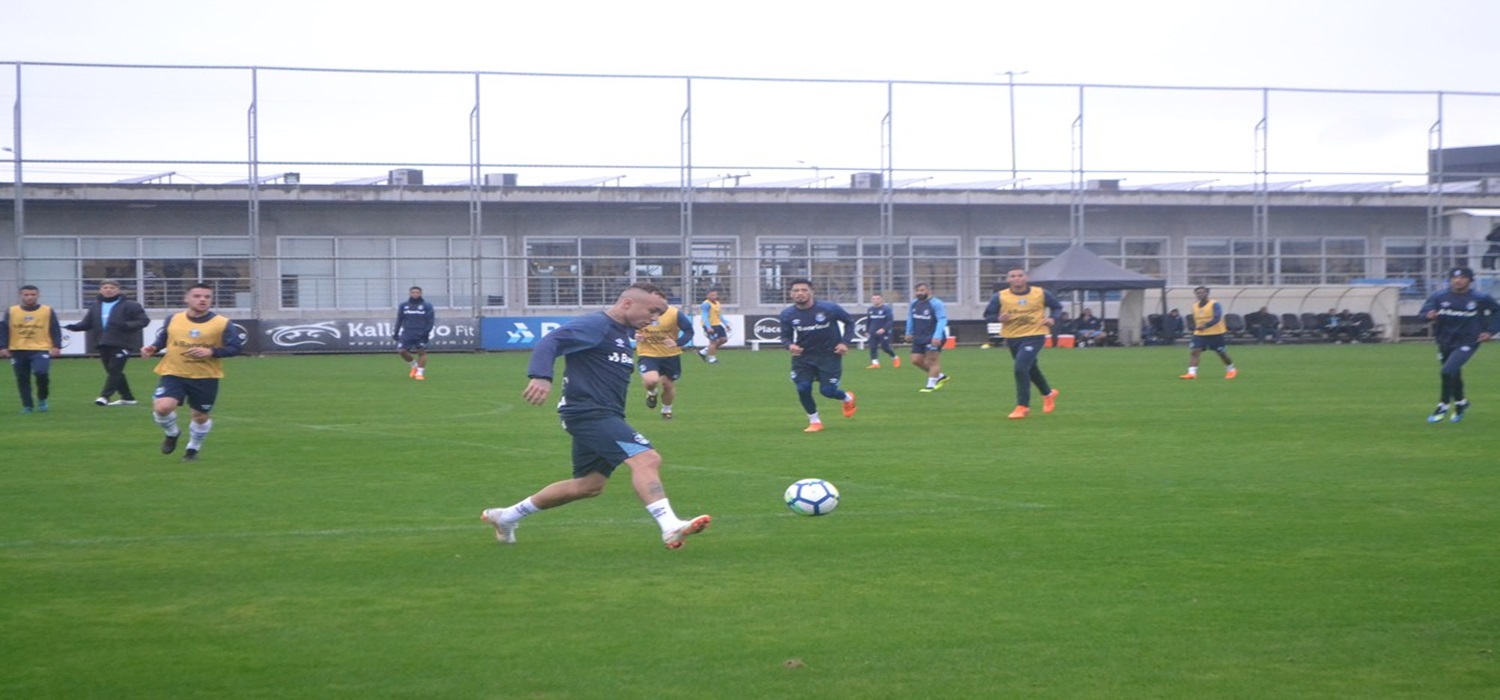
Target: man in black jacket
x: 114, y: 326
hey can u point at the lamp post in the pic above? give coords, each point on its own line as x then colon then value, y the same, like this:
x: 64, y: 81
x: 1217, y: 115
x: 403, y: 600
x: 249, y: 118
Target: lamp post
x: 20, y: 202
x: 817, y: 176
x: 1010, y: 76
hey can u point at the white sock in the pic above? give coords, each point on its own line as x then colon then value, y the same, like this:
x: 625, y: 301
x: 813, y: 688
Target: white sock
x: 198, y: 433
x: 703, y: 352
x: 520, y: 510
x: 413, y: 364
x: 1229, y: 368
x: 931, y: 382
x: 421, y: 371
x: 1193, y: 371
x: 875, y: 363
x: 666, y: 408
x: 662, y: 511
x: 168, y: 423
x: 813, y: 418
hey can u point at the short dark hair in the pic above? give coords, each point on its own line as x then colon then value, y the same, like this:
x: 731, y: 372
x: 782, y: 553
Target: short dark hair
x: 802, y: 280
x: 415, y: 287
x: 649, y: 288
x: 1200, y: 287
x: 29, y: 286
x: 201, y: 285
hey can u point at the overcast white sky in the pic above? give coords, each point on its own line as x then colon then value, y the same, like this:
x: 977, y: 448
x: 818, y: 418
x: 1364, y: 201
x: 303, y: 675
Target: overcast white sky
x: 1427, y: 45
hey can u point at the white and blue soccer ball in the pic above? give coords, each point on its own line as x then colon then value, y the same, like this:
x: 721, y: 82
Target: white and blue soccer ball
x: 812, y: 497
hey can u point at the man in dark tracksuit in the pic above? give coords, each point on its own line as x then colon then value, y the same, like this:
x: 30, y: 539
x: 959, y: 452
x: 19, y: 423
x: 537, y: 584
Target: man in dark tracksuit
x: 114, y: 326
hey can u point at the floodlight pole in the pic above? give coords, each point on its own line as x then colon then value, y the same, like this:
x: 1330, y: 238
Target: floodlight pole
x: 1011, y: 88
x: 19, y: 213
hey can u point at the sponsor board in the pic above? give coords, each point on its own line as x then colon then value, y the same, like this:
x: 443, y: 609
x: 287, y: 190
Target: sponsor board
x: 517, y: 332
x: 356, y: 335
x: 767, y: 329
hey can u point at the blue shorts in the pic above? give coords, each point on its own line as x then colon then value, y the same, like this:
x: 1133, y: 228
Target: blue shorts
x: 827, y: 369
x: 716, y: 332
x: 669, y: 367
x: 199, y: 394
x: 407, y: 342
x: 601, y: 443
x: 31, y: 361
x: 1215, y: 343
x: 924, y: 346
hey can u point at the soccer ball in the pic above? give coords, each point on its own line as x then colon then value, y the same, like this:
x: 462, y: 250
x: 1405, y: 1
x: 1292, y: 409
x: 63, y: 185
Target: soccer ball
x: 812, y: 497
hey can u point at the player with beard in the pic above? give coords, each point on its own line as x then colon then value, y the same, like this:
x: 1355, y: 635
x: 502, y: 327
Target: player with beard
x: 927, y: 327
x: 810, y: 330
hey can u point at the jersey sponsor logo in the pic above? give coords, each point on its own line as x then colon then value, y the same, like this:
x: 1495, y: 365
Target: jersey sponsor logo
x: 1456, y: 313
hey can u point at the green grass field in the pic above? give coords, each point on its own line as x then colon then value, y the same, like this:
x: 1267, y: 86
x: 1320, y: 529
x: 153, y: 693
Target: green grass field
x: 1299, y: 532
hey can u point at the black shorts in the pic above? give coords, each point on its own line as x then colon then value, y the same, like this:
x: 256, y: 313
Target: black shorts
x: 922, y: 346
x: 828, y: 369
x: 199, y: 394
x: 601, y: 443
x: 669, y: 367
x: 1216, y: 342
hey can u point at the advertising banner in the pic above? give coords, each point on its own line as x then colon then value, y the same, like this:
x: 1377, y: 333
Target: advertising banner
x: 517, y: 332
x: 356, y: 335
x: 767, y: 329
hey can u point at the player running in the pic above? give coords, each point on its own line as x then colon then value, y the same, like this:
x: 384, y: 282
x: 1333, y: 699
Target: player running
x: 1026, y: 315
x: 1459, y: 325
x: 810, y: 330
x: 658, y: 357
x: 713, y: 328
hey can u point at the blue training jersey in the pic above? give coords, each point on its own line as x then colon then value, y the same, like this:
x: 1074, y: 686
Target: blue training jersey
x: 415, y: 318
x: 816, y: 328
x: 1462, y: 317
x: 879, y: 318
x: 927, y: 320
x: 597, y: 364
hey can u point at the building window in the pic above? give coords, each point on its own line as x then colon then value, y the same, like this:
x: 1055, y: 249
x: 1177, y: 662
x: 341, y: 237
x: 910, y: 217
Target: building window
x: 997, y: 257
x: 1320, y: 260
x: 1223, y: 262
x: 849, y: 270
x: 156, y: 271
x: 365, y: 273
x: 714, y: 265
x: 583, y: 272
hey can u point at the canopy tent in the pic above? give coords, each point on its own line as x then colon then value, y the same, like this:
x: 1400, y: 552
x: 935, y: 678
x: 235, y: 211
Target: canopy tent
x: 1079, y: 268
